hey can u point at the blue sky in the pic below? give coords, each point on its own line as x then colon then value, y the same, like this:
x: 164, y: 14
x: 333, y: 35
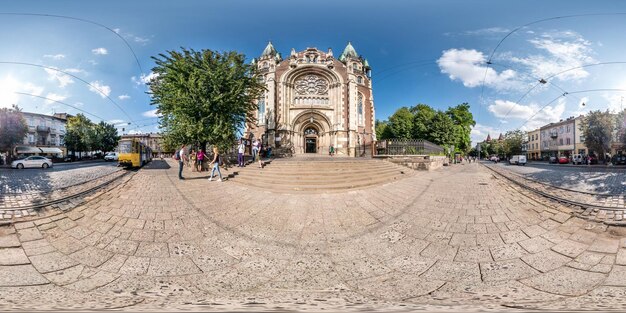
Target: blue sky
x: 432, y: 52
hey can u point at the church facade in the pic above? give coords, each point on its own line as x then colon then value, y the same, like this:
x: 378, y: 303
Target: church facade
x: 314, y: 100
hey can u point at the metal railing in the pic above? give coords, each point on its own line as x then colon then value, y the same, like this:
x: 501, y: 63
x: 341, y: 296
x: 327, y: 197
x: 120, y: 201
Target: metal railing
x: 407, y: 147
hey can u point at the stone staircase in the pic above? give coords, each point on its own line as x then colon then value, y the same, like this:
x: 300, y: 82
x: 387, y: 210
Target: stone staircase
x: 318, y: 174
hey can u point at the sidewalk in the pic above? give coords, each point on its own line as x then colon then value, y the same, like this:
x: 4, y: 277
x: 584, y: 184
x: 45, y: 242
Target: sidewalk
x: 64, y: 163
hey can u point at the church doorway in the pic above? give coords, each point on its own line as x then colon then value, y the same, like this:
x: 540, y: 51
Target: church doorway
x: 310, y: 140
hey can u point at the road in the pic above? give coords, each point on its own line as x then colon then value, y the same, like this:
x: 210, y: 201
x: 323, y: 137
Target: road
x: 604, y: 180
x: 59, y: 176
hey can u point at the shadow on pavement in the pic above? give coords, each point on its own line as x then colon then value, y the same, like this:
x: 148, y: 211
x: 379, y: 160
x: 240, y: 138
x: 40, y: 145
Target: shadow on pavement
x: 157, y: 165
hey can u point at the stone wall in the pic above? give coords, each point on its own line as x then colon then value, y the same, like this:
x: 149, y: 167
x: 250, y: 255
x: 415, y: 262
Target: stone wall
x: 417, y: 162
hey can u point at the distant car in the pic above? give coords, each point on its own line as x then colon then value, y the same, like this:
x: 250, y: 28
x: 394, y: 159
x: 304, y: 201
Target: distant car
x: 554, y: 159
x: 563, y: 160
x: 619, y: 160
x: 111, y: 156
x: 32, y: 161
x: 518, y: 160
x: 69, y: 158
x: 578, y: 159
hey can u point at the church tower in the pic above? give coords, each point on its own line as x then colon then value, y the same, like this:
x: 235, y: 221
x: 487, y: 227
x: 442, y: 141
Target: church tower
x: 314, y: 101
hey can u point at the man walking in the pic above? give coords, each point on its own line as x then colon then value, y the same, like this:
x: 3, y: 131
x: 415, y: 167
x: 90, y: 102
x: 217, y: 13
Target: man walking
x: 181, y: 157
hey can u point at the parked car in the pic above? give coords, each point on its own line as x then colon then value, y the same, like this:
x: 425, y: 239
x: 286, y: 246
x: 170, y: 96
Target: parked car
x: 111, y: 156
x: 619, y: 160
x: 32, y: 161
x: 518, y: 160
x: 578, y: 159
x: 554, y: 159
x: 69, y: 158
x: 563, y: 160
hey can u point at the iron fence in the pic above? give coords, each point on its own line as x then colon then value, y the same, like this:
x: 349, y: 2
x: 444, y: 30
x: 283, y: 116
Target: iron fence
x: 407, y: 147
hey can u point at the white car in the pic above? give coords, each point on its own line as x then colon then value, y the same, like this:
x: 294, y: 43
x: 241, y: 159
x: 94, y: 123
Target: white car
x: 111, y: 156
x: 32, y: 161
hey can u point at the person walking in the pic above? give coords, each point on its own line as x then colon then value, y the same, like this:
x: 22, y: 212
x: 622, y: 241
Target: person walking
x: 217, y: 158
x: 255, y: 149
x: 192, y: 160
x: 241, y: 148
x: 331, y: 150
x: 258, y: 154
x: 200, y: 159
x: 181, y: 157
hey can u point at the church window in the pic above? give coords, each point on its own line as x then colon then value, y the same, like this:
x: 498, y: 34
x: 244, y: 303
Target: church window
x: 261, y: 112
x: 310, y: 131
x: 359, y: 79
x: 360, y: 108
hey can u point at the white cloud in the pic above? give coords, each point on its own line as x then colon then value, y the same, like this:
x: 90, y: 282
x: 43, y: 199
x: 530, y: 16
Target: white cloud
x: 74, y: 70
x: 144, y: 79
x: 116, y: 121
x: 467, y: 66
x: 151, y: 113
x: 135, y: 132
x: 100, y: 51
x: 538, y: 116
x: 54, y: 56
x: 97, y: 87
x: 561, y: 51
x: 9, y: 88
x: 52, y: 97
x: 123, y: 97
x: 479, y: 133
x: 62, y: 78
x: 487, y: 31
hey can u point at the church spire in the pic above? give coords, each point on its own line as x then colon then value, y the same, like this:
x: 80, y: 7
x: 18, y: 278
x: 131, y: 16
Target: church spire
x: 348, y: 52
x: 269, y: 50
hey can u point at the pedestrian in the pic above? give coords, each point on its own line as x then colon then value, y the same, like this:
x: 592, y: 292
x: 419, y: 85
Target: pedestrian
x: 217, y: 159
x: 241, y: 148
x: 180, y: 156
x: 200, y: 159
x: 331, y: 150
x: 258, y: 155
x: 255, y: 149
x: 192, y: 160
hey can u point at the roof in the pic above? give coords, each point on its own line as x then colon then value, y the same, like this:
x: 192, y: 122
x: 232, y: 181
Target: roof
x: 348, y: 52
x: 269, y: 50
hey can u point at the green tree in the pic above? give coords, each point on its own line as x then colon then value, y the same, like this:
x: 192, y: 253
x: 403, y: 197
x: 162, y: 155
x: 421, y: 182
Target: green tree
x: 105, y: 137
x: 79, y: 134
x: 401, y: 124
x: 441, y: 130
x: 598, y: 130
x: 13, y: 128
x: 382, y: 130
x: 422, y: 118
x: 513, y: 140
x: 203, y: 96
x: 463, y: 121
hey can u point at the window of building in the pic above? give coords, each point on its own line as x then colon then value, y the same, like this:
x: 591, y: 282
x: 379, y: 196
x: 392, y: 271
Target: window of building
x: 568, y: 141
x: 310, y: 131
x: 582, y: 138
x: 360, y: 108
x: 567, y: 129
x: 31, y: 122
x: 561, y: 141
x: 359, y: 79
x: 31, y: 139
x: 561, y: 130
x: 261, y: 112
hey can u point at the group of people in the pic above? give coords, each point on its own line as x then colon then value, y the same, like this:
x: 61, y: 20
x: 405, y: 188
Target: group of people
x: 196, y: 159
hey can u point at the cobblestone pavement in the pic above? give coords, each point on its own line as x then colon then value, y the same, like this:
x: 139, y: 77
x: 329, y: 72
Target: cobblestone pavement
x: 59, y: 176
x: 606, y: 180
x: 430, y: 241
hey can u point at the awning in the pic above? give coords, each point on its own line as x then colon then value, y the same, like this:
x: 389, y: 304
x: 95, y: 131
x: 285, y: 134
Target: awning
x: 51, y: 150
x: 27, y: 149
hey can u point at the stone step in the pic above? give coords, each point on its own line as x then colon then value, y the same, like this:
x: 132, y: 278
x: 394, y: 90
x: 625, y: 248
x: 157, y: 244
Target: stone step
x: 317, y: 175
x: 328, y: 187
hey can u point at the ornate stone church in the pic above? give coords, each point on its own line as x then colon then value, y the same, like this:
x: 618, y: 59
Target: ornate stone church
x: 314, y: 100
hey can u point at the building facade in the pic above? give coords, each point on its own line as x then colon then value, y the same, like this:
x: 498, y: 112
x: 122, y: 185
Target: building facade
x: 46, y: 135
x: 579, y: 142
x: 534, y: 145
x: 557, y: 139
x: 314, y: 100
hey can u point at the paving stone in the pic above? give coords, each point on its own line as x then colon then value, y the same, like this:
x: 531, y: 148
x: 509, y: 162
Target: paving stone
x: 9, y: 241
x: 565, y: 281
x: 513, y: 269
x: 13, y: 256
x: 546, y: 260
x: 507, y: 251
x: 453, y: 271
x: 172, y: 267
x: 95, y: 281
x: 91, y: 256
x: 29, y: 234
x: 20, y: 275
x: 570, y: 248
x: 51, y: 262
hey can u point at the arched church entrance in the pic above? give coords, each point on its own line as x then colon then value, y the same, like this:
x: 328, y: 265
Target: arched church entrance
x: 310, y: 140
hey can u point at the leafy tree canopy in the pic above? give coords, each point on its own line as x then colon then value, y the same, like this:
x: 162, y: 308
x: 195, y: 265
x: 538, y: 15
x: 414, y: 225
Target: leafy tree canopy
x: 13, y: 127
x: 598, y: 131
x: 203, y: 96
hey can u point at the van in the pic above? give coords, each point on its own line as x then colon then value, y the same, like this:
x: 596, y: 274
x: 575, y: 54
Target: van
x: 577, y: 159
x: 518, y: 160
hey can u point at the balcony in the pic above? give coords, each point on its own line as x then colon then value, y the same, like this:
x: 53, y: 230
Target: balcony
x: 554, y: 134
x: 43, y: 129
